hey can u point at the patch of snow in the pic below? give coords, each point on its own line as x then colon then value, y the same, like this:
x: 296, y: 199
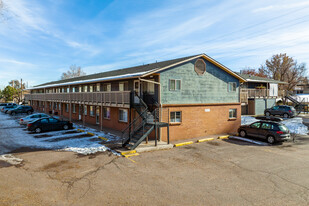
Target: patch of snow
x: 295, y: 125
x: 11, y: 159
x: 89, y: 150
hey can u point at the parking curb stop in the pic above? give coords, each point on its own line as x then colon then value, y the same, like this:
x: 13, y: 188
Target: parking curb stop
x: 223, y: 137
x: 205, y: 140
x: 90, y: 133
x: 103, y: 138
x: 128, y: 152
x: 182, y: 144
x: 80, y: 130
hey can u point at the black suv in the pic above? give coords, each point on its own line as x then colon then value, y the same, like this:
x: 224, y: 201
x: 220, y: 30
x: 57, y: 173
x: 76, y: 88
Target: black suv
x: 282, y: 110
x: 268, y: 130
x: 21, y: 109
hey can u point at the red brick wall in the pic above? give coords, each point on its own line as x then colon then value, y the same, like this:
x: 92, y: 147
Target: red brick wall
x: 198, y: 123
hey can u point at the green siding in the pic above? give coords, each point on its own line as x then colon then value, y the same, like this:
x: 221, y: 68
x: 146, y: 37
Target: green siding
x: 211, y: 87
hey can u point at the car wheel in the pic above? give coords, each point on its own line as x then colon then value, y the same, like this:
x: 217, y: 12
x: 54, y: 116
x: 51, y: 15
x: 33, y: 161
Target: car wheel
x: 29, y: 112
x: 271, y: 139
x: 38, y: 130
x: 243, y: 133
x: 66, y: 127
x: 286, y: 115
x: 267, y: 114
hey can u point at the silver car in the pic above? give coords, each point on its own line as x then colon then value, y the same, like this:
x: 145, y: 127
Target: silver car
x: 32, y: 117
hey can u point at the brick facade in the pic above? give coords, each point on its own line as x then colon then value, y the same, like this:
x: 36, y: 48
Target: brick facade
x: 201, y: 120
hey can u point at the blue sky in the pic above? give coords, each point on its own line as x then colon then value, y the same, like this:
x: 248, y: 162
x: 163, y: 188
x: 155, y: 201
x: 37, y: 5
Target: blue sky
x: 41, y: 39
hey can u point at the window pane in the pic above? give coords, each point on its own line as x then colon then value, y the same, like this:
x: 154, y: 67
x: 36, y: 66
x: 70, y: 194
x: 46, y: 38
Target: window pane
x: 178, y: 116
x: 172, y: 84
x: 173, y: 116
x: 177, y: 84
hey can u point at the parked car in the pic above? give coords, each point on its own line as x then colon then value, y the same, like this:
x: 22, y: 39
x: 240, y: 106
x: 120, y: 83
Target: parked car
x: 7, y: 108
x: 21, y: 109
x: 282, y: 110
x: 6, y: 104
x: 268, y: 130
x: 32, y: 117
x: 48, y: 124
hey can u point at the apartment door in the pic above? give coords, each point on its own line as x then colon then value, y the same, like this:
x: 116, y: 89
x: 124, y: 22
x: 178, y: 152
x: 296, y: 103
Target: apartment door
x: 97, y: 115
x: 136, y: 91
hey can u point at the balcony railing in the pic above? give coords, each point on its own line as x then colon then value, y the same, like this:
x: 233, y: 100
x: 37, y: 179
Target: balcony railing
x: 258, y: 93
x: 114, y: 98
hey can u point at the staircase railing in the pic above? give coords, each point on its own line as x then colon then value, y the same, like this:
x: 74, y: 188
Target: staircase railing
x: 136, y: 124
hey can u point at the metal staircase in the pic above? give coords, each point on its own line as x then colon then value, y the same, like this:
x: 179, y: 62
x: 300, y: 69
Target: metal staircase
x: 299, y: 106
x: 140, y: 127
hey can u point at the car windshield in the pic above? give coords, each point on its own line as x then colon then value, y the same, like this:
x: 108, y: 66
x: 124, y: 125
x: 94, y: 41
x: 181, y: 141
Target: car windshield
x: 283, y: 128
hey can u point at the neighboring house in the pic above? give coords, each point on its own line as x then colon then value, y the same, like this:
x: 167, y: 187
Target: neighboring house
x: 301, y: 89
x: 184, y: 98
x: 258, y: 93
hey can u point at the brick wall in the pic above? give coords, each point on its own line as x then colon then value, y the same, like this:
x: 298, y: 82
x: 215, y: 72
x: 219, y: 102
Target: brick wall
x: 199, y: 121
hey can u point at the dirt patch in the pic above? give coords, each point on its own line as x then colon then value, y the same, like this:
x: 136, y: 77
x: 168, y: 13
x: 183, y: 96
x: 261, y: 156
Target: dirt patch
x: 214, y: 143
x: 4, y: 164
x: 53, y: 165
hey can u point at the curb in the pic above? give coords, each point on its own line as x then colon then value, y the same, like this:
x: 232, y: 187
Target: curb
x: 223, y: 137
x: 90, y: 133
x: 103, y: 138
x: 128, y: 152
x: 182, y: 144
x: 205, y: 140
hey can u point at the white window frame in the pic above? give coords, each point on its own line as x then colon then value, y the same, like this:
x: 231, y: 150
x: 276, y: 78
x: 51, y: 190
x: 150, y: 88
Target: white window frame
x: 230, y: 87
x: 175, y: 117
x: 91, y: 111
x: 126, y: 117
x: 107, y: 112
x: 175, y: 84
x: 66, y: 107
x: 232, y: 113
x: 121, y: 86
x: 91, y: 88
x: 74, y: 108
x: 107, y: 87
x: 85, y: 109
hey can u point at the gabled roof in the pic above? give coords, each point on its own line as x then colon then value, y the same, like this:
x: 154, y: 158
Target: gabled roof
x: 133, y: 72
x: 251, y: 78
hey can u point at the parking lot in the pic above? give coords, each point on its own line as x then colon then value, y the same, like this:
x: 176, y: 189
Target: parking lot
x: 218, y: 172
x: 15, y: 138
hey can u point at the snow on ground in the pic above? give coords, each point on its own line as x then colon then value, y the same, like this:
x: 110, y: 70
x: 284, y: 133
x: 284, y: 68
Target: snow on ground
x: 295, y: 125
x: 14, y: 136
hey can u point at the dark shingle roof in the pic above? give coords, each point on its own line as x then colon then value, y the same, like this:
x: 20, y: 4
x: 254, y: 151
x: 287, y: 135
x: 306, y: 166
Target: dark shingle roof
x: 130, y: 70
x: 249, y: 77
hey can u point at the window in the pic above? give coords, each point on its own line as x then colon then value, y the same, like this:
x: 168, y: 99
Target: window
x: 91, y: 111
x: 52, y: 120
x: 233, y: 113
x: 80, y: 89
x: 68, y: 89
x: 91, y: 88
x: 106, y: 87
x: 85, y: 110
x: 255, y: 125
x: 106, y: 113
x: 121, y: 86
x: 175, y: 117
x: 150, y: 87
x: 123, y: 115
x: 74, y: 108
x: 275, y: 108
x: 73, y: 89
x: 200, y: 67
x: 98, y: 87
x: 44, y: 120
x: 85, y: 88
x: 175, y: 84
x: 66, y: 107
x: 232, y: 86
x: 267, y: 126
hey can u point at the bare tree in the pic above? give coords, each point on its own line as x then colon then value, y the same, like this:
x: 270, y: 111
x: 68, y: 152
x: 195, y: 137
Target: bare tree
x: 74, y: 71
x: 3, y: 11
x: 284, y: 68
x: 253, y: 72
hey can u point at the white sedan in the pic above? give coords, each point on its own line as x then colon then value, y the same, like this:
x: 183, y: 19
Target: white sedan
x: 32, y: 117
